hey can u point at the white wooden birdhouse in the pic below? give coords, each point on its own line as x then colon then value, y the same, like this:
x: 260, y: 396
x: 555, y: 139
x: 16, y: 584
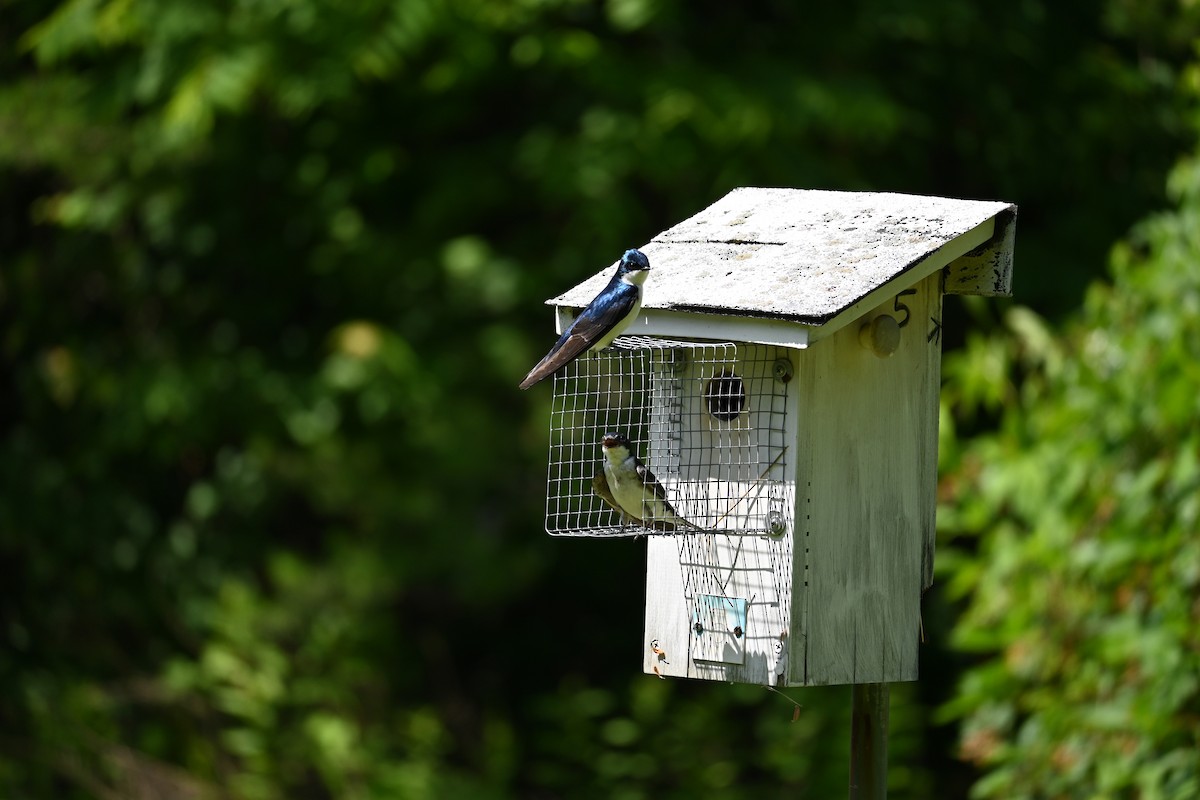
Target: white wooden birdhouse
x: 781, y: 382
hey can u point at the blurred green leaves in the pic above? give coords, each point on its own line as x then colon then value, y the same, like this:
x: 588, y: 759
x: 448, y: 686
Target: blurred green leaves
x: 1087, y: 508
x: 272, y: 268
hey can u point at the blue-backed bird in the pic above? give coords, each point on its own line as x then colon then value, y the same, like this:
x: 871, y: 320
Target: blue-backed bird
x: 609, y: 313
x: 634, y: 490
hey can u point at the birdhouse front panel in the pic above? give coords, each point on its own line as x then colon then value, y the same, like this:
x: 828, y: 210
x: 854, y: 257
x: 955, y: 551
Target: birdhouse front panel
x: 712, y: 424
x: 718, y: 597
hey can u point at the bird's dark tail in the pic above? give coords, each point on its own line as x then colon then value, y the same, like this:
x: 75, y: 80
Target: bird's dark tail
x: 540, y: 372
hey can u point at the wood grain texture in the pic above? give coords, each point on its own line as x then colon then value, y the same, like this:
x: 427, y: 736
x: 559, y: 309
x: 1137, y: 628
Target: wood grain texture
x: 931, y: 372
x: 866, y: 483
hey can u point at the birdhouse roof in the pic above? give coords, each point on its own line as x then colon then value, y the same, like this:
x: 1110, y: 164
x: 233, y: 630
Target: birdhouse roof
x: 815, y: 257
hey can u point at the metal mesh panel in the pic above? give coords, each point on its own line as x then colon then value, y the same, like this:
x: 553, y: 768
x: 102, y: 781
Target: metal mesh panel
x: 706, y: 418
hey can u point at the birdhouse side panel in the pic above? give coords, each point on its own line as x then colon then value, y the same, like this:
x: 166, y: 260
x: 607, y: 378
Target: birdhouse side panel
x: 866, y: 482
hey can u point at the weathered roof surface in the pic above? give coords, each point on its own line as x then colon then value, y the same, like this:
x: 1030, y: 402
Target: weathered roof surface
x: 797, y: 254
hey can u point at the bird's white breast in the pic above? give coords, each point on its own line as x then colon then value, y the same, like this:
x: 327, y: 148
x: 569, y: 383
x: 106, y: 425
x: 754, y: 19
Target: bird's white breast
x: 625, y: 485
x: 632, y: 279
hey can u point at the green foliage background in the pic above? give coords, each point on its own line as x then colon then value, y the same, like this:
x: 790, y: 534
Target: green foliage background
x: 271, y: 269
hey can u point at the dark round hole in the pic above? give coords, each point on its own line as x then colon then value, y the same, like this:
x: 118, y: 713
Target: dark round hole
x: 725, y: 396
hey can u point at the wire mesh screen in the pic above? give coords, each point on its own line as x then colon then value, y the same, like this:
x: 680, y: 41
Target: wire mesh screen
x: 706, y: 420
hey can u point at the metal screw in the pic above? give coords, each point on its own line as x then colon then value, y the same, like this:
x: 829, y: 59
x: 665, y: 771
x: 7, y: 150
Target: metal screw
x: 782, y: 370
x: 737, y: 631
x: 698, y: 628
x: 776, y: 523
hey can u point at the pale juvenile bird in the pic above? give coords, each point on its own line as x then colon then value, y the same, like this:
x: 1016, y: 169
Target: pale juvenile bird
x: 633, y: 488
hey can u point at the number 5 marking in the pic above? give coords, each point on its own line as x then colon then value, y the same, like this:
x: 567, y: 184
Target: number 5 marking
x: 898, y: 306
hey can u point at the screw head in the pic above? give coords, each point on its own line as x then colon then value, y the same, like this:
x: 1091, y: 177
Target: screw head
x: 782, y: 370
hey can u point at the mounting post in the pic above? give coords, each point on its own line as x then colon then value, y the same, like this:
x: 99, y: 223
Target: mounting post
x: 868, y: 741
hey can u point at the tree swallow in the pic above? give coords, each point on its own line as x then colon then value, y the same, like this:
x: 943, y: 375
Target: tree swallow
x: 634, y: 488
x: 609, y: 313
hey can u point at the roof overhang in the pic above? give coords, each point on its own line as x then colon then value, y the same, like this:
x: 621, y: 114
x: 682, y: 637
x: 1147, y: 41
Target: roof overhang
x: 791, y: 266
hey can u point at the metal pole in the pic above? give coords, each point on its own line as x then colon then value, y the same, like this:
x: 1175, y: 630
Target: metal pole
x: 868, y: 741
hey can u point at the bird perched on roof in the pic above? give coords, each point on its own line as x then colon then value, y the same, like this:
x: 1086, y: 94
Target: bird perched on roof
x: 609, y: 313
x: 633, y: 489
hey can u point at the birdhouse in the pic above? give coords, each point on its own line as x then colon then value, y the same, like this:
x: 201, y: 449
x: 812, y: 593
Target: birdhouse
x: 781, y: 383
